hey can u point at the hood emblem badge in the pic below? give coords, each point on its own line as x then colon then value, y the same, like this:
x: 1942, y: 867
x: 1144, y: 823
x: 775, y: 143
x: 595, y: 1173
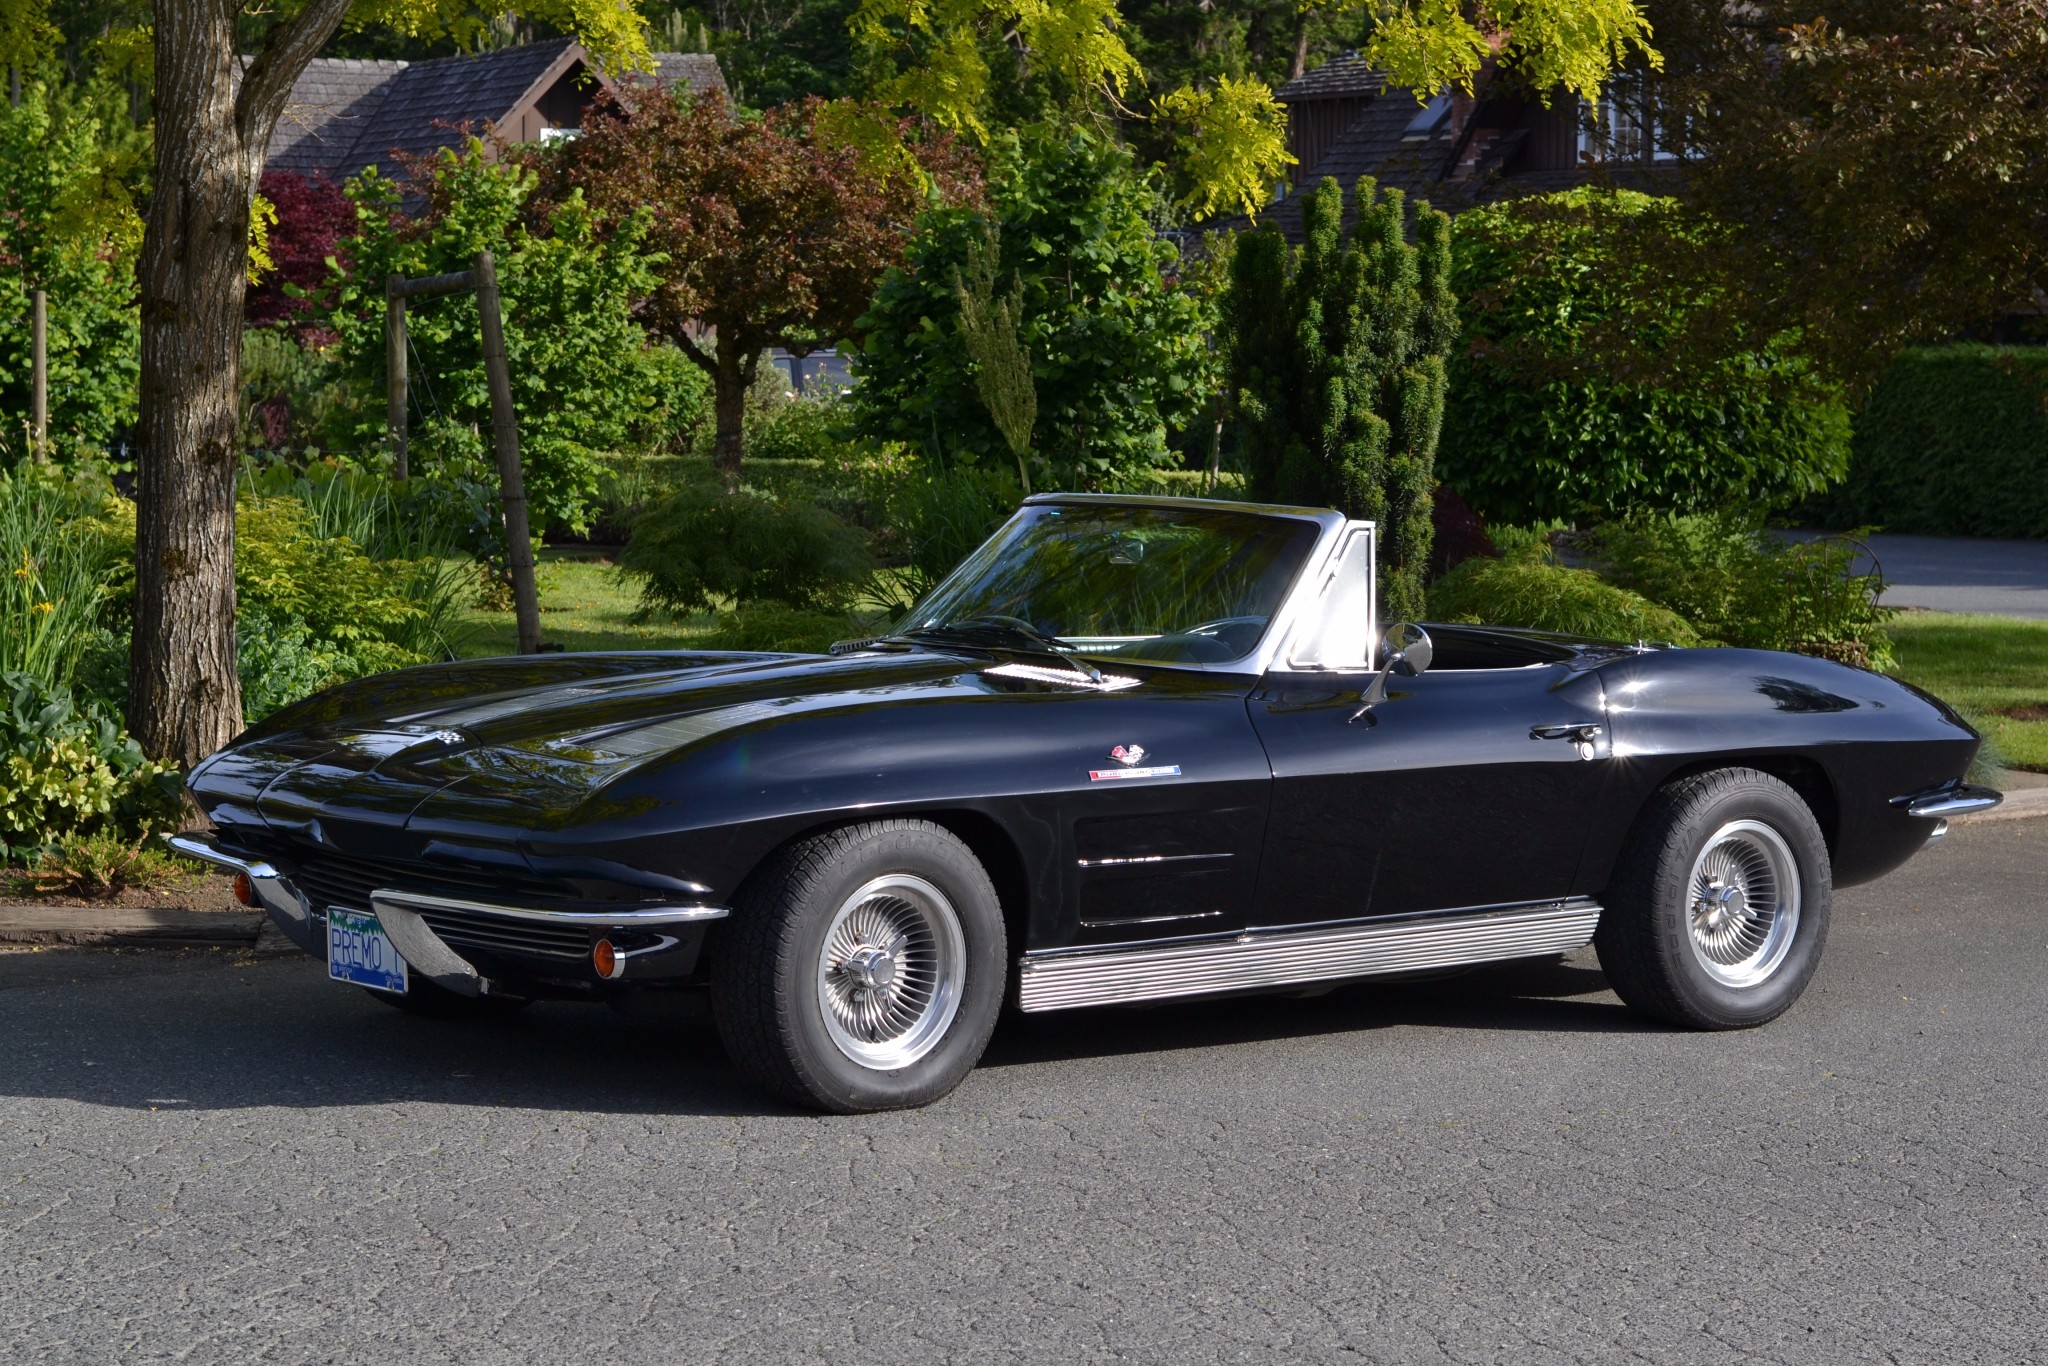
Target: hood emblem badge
x: 1129, y: 757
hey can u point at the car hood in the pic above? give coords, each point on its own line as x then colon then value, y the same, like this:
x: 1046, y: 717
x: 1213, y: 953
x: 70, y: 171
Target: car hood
x: 546, y: 733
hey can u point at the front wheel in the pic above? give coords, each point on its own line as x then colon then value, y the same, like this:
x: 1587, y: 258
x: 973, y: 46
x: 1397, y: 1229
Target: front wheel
x: 862, y: 969
x: 1719, y: 905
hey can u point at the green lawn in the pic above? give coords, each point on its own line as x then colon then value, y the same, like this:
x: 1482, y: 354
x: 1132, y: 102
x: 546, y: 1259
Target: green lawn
x: 1992, y: 669
x: 1985, y: 666
x: 586, y: 603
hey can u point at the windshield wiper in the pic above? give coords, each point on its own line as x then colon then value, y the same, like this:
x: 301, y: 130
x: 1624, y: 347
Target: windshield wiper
x: 1001, y: 632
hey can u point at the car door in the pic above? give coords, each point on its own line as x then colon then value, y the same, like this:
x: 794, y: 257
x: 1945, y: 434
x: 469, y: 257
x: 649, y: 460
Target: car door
x: 1465, y: 787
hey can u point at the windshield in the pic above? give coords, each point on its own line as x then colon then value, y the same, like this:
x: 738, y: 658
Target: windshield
x: 1150, y: 584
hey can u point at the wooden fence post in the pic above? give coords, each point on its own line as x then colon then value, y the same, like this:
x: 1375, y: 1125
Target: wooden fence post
x: 394, y: 369
x: 39, y: 379
x: 505, y: 436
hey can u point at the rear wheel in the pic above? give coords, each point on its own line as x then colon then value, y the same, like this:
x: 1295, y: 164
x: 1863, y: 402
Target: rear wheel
x: 1719, y: 906
x: 862, y: 969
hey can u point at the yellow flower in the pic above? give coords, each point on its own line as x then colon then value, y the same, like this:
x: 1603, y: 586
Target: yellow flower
x: 27, y: 570
x: 45, y: 607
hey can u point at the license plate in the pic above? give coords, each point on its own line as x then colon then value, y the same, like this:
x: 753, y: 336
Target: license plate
x: 359, y: 951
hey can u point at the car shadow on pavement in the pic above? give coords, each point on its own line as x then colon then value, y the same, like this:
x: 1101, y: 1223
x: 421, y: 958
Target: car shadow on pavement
x: 200, y: 1031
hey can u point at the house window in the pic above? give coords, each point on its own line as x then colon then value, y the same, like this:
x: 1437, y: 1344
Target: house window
x: 1428, y: 119
x: 560, y: 134
x: 1623, y: 125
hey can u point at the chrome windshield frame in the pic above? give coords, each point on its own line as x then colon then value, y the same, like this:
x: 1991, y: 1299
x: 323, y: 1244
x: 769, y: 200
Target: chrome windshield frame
x: 1303, y: 595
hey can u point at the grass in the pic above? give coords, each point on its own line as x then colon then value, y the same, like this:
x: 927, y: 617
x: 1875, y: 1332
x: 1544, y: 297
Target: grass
x: 1994, y: 670
x: 586, y: 603
x: 589, y: 603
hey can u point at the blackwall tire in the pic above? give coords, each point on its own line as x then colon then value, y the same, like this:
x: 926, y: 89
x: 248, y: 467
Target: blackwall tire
x: 862, y: 969
x: 1718, y: 909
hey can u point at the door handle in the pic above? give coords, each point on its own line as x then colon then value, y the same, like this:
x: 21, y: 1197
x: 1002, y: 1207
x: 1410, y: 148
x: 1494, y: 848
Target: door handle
x: 1585, y: 732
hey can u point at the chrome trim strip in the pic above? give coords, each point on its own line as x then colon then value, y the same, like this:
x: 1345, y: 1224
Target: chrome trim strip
x: 643, y: 915
x: 1068, y: 978
x: 1962, y: 799
x: 1149, y: 920
x: 1145, y: 858
x: 205, y: 850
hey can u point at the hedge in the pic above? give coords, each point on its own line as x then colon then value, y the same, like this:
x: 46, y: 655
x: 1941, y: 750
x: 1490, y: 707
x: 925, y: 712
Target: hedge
x: 1953, y: 442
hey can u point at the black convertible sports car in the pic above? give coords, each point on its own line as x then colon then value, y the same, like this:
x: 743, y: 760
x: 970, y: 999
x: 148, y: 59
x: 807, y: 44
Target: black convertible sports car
x: 1132, y: 748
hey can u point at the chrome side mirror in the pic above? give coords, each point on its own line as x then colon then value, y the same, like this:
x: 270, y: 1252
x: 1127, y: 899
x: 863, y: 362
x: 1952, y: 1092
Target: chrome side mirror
x: 1405, y: 650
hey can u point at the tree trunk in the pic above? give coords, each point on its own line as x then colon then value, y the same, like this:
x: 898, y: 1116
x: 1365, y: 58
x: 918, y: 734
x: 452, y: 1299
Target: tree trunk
x: 1301, y: 48
x: 185, y: 700
x: 732, y: 377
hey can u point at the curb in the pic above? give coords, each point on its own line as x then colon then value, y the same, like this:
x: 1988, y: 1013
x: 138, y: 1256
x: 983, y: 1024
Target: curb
x: 108, y: 925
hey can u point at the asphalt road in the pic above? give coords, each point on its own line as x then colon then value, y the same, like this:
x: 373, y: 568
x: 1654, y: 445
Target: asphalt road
x: 214, y: 1162
x: 1959, y: 573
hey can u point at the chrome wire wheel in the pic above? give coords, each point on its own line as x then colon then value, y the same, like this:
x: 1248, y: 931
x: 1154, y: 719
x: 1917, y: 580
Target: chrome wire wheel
x: 891, y: 972
x: 1742, y: 909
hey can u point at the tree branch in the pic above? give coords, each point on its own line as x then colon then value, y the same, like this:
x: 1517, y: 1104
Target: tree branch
x: 287, y: 49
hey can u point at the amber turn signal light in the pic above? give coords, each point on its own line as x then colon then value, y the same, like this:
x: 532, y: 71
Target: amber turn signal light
x: 609, y: 962
x: 245, y: 890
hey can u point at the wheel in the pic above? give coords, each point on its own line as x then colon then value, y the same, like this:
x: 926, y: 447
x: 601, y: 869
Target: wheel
x: 436, y: 1002
x: 1719, y: 904
x: 862, y: 969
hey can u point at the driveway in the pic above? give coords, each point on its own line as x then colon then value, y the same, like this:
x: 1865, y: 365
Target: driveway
x: 1960, y: 574
x: 214, y: 1161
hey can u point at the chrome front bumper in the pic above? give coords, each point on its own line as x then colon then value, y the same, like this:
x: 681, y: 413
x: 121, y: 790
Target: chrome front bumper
x: 405, y: 918
x: 1949, y: 800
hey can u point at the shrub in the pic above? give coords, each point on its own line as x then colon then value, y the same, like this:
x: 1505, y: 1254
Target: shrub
x: 68, y: 770
x: 1952, y: 442
x: 1116, y: 348
x: 1739, y: 586
x: 942, y: 517
x: 97, y: 866
x: 772, y: 626
x: 584, y: 377
x: 1550, y: 597
x: 700, y: 544
x: 1597, y: 374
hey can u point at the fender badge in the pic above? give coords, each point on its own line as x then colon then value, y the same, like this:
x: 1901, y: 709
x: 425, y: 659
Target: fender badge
x: 1129, y: 755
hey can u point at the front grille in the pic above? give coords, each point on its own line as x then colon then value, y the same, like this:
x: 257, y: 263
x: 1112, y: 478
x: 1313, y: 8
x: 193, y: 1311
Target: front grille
x: 332, y: 880
x: 467, y: 929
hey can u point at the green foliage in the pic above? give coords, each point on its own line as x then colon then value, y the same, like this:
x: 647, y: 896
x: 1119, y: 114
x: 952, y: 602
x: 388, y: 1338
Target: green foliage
x: 1602, y: 374
x: 1953, y: 441
x: 280, y: 660
x: 942, y: 516
x: 1337, y: 362
x: 584, y: 377
x: 701, y: 544
x: 68, y: 770
x: 67, y: 157
x: 1116, y: 350
x: 794, y: 428
x: 97, y: 866
x: 1740, y: 586
x: 1548, y: 597
x: 775, y: 626
x: 59, y: 542
x: 990, y: 329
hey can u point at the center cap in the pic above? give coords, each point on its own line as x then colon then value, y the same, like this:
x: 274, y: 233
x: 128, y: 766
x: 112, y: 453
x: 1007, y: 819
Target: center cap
x: 874, y: 969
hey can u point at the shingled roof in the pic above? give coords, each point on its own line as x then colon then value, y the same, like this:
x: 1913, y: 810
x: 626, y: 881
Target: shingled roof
x: 1350, y: 74
x: 344, y: 115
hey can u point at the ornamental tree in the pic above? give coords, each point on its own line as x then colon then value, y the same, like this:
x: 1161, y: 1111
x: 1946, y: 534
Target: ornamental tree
x: 313, y: 215
x: 1337, y: 360
x: 768, y: 231
x: 954, y: 61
